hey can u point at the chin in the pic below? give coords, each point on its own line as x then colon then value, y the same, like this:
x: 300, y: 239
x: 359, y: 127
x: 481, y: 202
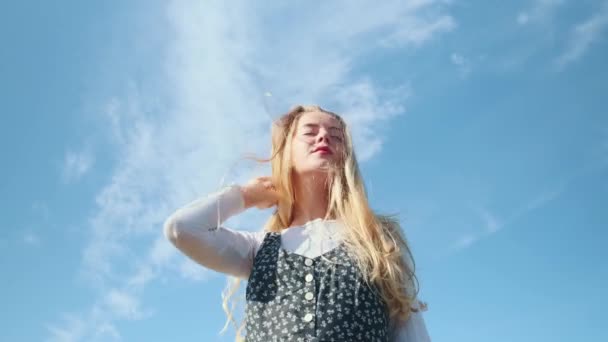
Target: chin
x: 315, y: 169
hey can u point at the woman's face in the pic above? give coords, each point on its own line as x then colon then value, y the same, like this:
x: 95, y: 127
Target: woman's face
x: 317, y: 143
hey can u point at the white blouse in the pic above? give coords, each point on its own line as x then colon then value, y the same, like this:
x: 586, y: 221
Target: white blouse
x: 197, y: 231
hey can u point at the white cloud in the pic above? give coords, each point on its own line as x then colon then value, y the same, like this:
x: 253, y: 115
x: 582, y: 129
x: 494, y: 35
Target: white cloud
x: 464, y: 241
x: 523, y: 18
x: 540, y: 200
x: 89, y: 326
x: 124, y: 305
x: 457, y: 59
x: 76, y: 164
x: 462, y: 63
x: 106, y: 332
x: 31, y: 239
x: 72, y: 330
x: 364, y: 107
x: 541, y: 10
x: 193, y: 271
x: 418, y: 31
x: 492, y: 223
x: 582, y: 36
x: 219, y: 62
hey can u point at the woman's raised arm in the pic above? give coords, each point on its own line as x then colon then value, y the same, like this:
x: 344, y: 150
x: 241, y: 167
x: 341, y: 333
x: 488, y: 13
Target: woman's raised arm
x: 194, y: 230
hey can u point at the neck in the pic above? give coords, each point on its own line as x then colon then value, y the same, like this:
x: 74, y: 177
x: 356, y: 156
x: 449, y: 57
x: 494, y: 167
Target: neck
x: 311, y: 199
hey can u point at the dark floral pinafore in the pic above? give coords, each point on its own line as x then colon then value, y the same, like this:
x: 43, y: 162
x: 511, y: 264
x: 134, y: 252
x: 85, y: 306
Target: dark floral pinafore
x: 294, y: 298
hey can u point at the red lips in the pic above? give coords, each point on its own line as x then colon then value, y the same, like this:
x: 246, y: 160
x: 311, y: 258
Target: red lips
x: 326, y: 149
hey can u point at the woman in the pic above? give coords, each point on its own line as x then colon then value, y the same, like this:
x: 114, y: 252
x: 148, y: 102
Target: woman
x: 325, y: 267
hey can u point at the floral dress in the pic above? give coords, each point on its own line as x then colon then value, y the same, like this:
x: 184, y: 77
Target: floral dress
x: 291, y: 297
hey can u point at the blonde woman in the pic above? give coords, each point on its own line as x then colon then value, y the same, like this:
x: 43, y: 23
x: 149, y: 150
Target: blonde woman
x: 324, y: 267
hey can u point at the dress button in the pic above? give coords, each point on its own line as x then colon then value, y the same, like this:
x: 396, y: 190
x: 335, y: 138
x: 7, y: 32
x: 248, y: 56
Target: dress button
x: 308, y: 317
x: 308, y: 277
x: 309, y: 295
x: 308, y: 262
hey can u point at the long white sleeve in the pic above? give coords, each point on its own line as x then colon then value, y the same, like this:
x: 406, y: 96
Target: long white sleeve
x: 194, y: 230
x: 412, y: 330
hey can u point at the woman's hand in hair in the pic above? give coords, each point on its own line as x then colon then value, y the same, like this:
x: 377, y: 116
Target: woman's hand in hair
x: 260, y: 193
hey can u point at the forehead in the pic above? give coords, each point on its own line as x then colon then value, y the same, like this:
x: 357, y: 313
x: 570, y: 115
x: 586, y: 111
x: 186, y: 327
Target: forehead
x: 318, y: 119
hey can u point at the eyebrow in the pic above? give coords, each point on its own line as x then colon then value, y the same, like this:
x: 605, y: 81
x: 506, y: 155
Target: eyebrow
x: 312, y: 125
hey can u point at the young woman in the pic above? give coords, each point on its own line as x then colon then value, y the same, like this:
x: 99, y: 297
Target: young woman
x: 324, y: 267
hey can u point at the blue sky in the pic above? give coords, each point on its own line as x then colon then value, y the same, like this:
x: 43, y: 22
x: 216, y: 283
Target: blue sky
x: 481, y: 124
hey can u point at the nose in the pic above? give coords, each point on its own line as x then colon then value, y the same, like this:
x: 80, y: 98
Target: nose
x: 323, y: 135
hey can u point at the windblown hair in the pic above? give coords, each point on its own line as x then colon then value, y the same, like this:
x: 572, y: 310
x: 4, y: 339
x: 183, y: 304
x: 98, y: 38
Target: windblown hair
x: 375, y: 241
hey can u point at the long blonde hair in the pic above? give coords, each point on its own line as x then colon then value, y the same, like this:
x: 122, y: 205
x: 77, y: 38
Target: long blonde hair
x: 375, y: 241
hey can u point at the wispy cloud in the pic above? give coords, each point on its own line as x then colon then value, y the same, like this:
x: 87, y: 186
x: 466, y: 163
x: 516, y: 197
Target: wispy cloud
x: 491, y: 223
x: 418, y: 31
x: 31, y: 238
x: 76, y: 164
x: 190, y: 270
x: 219, y: 62
x: 541, y: 10
x: 72, y: 329
x: 124, y: 305
x: 533, y: 30
x: 92, y: 325
x: 464, y: 241
x: 97, y: 323
x: 463, y: 64
x: 582, y: 36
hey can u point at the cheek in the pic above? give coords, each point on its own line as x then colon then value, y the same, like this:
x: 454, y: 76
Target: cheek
x: 339, y: 156
x: 299, y: 152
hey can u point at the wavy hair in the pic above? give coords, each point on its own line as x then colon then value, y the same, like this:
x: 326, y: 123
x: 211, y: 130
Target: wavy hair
x: 375, y: 241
